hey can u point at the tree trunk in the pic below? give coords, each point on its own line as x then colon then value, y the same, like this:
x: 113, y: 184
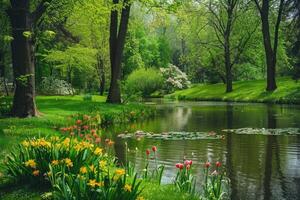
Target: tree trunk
x: 228, y: 65
x: 270, y: 56
x: 23, y: 65
x: 271, y: 82
x: 117, y: 42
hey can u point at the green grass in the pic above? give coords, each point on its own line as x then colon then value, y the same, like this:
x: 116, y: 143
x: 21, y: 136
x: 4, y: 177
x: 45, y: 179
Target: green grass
x: 288, y: 91
x: 54, y: 111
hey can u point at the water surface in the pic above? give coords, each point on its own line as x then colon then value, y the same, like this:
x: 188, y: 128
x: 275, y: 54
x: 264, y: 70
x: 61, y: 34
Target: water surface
x: 259, y: 166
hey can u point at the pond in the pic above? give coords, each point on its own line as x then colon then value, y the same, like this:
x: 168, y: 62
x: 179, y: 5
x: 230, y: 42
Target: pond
x: 259, y: 166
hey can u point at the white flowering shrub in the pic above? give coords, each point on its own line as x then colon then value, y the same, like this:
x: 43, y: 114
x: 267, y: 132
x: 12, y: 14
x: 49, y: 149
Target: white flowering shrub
x: 53, y: 86
x: 175, y: 79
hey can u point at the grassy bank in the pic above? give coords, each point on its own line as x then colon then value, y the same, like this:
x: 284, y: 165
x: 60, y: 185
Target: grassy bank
x: 54, y: 111
x: 288, y: 91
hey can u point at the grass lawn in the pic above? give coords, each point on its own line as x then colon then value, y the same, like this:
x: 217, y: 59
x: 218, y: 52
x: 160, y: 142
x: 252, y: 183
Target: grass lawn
x: 54, y: 111
x: 288, y: 91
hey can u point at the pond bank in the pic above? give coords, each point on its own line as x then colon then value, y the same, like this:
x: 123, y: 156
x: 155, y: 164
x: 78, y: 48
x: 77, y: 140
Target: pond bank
x: 288, y: 92
x: 55, y: 111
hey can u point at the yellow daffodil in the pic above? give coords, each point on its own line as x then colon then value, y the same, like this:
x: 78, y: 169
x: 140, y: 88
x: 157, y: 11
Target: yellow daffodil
x: 140, y: 198
x: 93, y: 183
x: 120, y: 172
x: 30, y: 163
x: 98, y: 151
x: 25, y: 143
x: 66, y: 142
x: 35, y: 172
x: 55, y: 162
x: 68, y: 162
x: 102, y: 163
x: 127, y: 188
x: 83, y: 170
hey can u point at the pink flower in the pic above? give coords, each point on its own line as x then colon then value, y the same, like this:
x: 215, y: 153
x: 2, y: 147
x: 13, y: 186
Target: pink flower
x: 188, y: 167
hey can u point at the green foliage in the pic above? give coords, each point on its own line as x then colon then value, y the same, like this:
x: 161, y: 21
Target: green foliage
x: 78, y: 57
x: 143, y: 82
x: 5, y: 106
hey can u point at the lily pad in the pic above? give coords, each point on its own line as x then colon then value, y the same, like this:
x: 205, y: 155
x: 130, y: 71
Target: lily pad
x: 172, y: 135
x: 265, y: 131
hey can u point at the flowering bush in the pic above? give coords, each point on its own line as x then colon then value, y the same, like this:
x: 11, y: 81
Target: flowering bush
x: 94, y: 182
x: 76, y: 169
x: 174, y: 78
x: 32, y: 158
x: 53, y: 86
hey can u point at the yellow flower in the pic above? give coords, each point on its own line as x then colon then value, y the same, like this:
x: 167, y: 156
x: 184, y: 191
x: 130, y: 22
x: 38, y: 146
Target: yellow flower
x: 55, y: 162
x: 83, y: 170
x: 102, y: 163
x: 49, y: 174
x: 69, y: 162
x: 98, y: 151
x: 120, y: 172
x: 140, y: 198
x: 127, y: 188
x: 36, y: 172
x: 43, y: 143
x: 30, y: 163
x: 25, y: 143
x: 92, y: 168
x: 66, y: 142
x: 93, y: 183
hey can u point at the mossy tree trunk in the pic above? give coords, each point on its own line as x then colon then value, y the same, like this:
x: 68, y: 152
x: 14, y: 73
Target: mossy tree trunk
x: 117, y: 42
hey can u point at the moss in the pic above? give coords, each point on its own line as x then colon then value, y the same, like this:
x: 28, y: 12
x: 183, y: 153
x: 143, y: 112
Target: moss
x: 288, y: 91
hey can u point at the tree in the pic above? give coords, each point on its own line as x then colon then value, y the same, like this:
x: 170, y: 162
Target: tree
x: 117, y: 42
x: 22, y: 23
x: 270, y: 52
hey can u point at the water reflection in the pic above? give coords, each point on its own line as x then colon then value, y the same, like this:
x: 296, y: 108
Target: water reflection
x: 260, y: 167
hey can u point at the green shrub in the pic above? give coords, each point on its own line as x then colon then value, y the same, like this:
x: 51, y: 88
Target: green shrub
x: 88, y: 97
x: 143, y: 82
x: 5, y: 106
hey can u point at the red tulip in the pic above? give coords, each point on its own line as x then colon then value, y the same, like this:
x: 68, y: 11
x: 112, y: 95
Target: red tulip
x: 93, y: 131
x: 218, y: 164
x: 188, y: 162
x: 179, y: 166
x: 148, y: 152
x: 78, y: 122
x: 154, y: 148
x: 207, y: 164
